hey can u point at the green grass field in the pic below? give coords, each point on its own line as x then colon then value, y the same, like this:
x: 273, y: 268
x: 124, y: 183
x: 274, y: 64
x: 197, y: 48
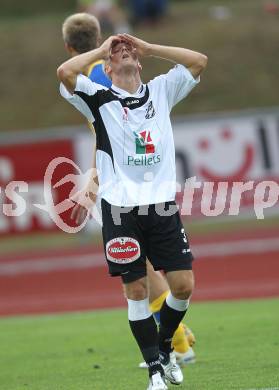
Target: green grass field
x: 237, y: 348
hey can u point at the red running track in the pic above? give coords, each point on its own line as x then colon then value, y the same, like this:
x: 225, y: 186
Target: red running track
x: 84, y: 284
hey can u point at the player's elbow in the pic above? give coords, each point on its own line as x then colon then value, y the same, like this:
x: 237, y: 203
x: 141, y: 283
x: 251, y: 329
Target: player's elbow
x: 62, y: 73
x: 202, y: 62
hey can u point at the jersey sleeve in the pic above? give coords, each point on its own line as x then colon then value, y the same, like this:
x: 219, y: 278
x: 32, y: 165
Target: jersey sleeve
x: 84, y: 87
x: 177, y: 83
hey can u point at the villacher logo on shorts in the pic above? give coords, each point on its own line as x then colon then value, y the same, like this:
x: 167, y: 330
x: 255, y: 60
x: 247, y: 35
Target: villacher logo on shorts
x: 123, y: 250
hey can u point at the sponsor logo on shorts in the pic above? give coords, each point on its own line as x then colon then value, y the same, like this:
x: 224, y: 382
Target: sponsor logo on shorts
x: 123, y: 250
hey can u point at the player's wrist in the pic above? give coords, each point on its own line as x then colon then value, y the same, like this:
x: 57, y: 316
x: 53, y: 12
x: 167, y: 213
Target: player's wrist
x: 150, y: 49
x: 101, y: 52
x: 157, y: 50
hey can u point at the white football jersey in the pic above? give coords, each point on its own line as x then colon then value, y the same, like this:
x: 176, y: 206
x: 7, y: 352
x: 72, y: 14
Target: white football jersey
x: 135, y: 156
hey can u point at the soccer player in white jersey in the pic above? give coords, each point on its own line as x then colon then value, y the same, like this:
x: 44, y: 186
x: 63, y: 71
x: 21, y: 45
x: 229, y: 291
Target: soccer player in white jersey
x: 81, y: 33
x: 136, y: 170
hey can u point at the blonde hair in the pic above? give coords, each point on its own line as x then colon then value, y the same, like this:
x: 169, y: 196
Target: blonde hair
x: 81, y: 32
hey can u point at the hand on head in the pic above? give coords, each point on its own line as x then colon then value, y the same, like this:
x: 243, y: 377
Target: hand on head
x: 112, y: 45
x: 140, y: 47
x: 107, y: 44
x: 118, y: 45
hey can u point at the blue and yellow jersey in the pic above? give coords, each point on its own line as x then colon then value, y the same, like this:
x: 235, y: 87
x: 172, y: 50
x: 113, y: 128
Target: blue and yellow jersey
x: 97, y: 74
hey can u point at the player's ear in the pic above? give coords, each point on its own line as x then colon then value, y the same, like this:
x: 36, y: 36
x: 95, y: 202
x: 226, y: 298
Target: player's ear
x: 70, y: 50
x: 67, y: 47
x: 99, y: 39
x: 108, y: 69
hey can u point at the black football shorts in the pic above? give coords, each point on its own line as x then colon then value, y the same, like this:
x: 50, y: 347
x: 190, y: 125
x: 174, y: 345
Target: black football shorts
x: 131, y: 235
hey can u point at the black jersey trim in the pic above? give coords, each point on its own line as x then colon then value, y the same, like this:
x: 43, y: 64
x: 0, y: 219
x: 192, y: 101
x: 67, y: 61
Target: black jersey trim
x: 131, y: 102
x: 134, y: 102
x: 101, y: 97
x: 115, y: 92
x: 102, y: 138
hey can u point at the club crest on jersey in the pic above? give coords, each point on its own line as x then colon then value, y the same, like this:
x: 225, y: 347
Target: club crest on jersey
x: 150, y: 111
x: 123, y: 250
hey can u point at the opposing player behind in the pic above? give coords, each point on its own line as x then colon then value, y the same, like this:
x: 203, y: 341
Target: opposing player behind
x: 125, y: 111
x: 81, y: 33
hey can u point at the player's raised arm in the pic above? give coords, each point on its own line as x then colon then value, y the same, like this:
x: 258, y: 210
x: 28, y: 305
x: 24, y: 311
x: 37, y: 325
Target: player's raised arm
x: 194, y: 61
x: 67, y: 72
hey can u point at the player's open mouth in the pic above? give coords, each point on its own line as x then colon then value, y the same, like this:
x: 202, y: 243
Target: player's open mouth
x: 125, y: 55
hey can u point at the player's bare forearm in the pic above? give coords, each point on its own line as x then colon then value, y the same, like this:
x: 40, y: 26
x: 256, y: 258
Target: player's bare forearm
x: 194, y: 61
x: 86, y: 198
x: 94, y: 176
x: 69, y: 70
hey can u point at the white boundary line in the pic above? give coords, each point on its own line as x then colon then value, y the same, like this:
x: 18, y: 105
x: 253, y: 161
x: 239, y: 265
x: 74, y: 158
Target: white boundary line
x: 263, y: 388
x: 81, y: 261
x: 239, y: 247
x: 51, y: 264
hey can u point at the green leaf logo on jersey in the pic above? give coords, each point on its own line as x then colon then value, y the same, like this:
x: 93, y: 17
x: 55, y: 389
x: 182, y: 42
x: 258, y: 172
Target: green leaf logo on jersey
x: 146, y: 149
x: 144, y: 143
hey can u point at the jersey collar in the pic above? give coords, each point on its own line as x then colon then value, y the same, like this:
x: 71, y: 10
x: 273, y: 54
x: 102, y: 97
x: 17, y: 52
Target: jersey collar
x: 122, y: 92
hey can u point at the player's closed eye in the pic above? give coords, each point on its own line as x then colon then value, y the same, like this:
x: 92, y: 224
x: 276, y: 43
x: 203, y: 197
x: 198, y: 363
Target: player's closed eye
x: 116, y: 48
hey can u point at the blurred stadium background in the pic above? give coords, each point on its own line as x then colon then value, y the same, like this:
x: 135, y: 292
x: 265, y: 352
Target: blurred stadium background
x: 227, y: 130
